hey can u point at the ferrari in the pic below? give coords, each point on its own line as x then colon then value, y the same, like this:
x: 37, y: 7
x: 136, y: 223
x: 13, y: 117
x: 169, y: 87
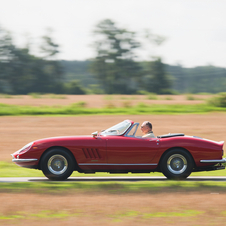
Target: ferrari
x: 118, y: 150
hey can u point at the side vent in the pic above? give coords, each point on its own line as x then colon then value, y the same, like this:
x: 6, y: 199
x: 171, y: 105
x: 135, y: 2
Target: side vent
x: 91, y: 153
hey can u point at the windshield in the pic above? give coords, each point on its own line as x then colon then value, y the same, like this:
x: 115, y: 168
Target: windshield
x: 118, y: 129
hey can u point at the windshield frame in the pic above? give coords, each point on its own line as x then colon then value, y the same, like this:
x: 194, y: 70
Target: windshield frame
x: 118, y: 129
x: 135, y: 126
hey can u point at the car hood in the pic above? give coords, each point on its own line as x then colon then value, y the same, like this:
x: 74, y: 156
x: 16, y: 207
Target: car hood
x: 63, y: 139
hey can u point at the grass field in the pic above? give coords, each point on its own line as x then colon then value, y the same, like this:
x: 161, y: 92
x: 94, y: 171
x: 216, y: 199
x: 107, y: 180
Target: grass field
x: 77, y: 109
x: 106, y: 105
x: 113, y: 187
x: 102, y: 101
x: 35, y: 104
x: 95, y: 208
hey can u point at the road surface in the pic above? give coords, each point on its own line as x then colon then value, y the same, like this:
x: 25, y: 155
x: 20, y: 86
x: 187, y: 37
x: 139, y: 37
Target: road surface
x: 116, y: 179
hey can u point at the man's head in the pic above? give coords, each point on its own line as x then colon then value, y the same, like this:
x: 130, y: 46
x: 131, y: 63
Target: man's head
x: 146, y: 127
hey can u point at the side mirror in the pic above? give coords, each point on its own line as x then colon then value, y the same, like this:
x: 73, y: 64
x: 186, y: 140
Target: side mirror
x: 95, y: 134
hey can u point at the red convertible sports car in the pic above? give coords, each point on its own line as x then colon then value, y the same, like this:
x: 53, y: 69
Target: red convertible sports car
x: 119, y: 150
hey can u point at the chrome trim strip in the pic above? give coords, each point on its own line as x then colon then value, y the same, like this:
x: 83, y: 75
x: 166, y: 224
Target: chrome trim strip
x: 114, y: 164
x: 24, y: 160
x: 214, y: 161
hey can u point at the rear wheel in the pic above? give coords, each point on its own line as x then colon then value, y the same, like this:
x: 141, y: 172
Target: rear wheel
x: 177, y: 164
x: 57, y: 164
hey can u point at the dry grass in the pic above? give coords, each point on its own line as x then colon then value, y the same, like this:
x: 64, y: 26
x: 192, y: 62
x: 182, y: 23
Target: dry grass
x: 98, y: 101
x: 105, y: 209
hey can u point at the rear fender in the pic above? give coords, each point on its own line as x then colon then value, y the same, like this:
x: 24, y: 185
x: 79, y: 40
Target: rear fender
x: 172, y: 149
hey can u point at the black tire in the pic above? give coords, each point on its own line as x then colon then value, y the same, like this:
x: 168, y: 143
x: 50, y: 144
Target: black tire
x: 177, y: 164
x: 57, y: 164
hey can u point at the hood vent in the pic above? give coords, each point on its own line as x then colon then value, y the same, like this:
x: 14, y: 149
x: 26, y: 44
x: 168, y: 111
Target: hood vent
x: 91, y: 153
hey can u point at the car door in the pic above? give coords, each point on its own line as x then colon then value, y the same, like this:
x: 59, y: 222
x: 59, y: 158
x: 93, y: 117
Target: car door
x: 131, y: 152
x: 90, y: 153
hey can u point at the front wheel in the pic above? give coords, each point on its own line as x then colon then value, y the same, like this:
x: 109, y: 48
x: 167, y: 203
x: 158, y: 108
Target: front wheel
x: 177, y: 164
x: 57, y: 164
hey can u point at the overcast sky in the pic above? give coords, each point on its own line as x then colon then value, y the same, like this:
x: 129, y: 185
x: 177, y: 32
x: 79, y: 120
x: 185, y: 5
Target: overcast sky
x: 195, y: 29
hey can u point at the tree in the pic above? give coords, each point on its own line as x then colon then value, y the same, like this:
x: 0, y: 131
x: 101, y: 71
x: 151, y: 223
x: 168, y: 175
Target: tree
x: 22, y: 73
x: 48, y: 47
x: 52, y: 68
x: 13, y: 71
x: 156, y: 80
x: 6, y: 56
x: 73, y: 87
x: 114, y: 64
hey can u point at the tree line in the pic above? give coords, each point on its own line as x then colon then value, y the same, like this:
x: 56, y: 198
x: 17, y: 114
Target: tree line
x: 202, y: 79
x: 114, y: 70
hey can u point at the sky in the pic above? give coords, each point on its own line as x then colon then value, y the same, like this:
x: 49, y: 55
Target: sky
x: 195, y: 30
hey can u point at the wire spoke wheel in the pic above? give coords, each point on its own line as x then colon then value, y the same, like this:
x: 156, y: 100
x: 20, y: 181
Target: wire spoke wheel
x: 57, y: 164
x: 177, y: 164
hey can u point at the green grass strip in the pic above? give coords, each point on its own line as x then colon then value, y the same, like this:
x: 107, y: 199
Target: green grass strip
x: 75, y: 109
x: 44, y: 214
x: 59, y: 188
x: 115, y: 217
x: 10, y: 169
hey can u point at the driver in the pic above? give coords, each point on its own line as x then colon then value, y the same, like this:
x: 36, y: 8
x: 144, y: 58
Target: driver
x: 146, y: 129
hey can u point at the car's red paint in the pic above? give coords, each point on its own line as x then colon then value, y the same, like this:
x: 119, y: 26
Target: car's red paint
x: 200, y: 149
x: 124, y: 152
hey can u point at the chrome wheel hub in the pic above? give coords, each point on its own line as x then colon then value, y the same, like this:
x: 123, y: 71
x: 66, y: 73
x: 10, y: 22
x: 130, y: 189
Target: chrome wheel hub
x: 177, y: 164
x: 57, y: 164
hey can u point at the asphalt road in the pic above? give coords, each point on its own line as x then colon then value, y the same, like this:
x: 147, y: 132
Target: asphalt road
x: 116, y: 179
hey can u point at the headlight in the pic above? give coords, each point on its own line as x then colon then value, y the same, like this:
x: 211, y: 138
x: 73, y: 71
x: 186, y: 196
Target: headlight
x: 25, y: 148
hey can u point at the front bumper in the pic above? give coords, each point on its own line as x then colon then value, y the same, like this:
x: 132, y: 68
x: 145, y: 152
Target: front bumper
x: 214, y: 161
x: 22, y: 160
x: 27, y: 163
